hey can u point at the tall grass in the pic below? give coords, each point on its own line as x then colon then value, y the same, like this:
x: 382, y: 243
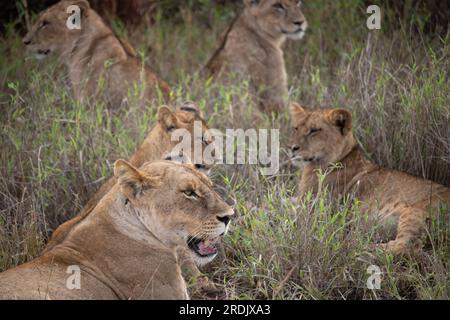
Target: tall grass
x: 56, y: 152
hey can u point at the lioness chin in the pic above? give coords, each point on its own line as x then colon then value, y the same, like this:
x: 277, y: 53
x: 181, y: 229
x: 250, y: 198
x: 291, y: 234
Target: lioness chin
x: 126, y: 247
x: 398, y: 202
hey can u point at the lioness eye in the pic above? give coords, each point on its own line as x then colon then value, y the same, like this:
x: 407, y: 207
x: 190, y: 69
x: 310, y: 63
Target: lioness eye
x: 313, y: 130
x: 296, y: 128
x: 278, y: 6
x: 190, y: 194
x: 44, y: 23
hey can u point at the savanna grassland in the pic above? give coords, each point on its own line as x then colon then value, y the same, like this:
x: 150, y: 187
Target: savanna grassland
x: 55, y: 151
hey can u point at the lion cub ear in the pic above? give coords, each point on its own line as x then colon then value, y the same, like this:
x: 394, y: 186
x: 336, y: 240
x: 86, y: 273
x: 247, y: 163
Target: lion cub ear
x: 295, y: 109
x: 341, y: 118
x: 167, y: 118
x: 132, y: 180
x: 82, y: 4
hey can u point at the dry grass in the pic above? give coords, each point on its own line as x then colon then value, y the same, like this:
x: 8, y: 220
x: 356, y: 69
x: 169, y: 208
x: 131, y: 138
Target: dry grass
x: 56, y: 152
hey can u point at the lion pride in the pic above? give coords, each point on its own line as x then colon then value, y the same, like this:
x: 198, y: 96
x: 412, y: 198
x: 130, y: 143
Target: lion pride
x: 126, y: 247
x: 99, y: 64
x: 399, y: 202
x: 252, y: 48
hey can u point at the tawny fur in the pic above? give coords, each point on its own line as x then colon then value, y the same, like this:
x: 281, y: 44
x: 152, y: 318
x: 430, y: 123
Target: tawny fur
x: 401, y: 203
x: 126, y: 247
x: 251, y: 48
x: 99, y: 64
x: 156, y: 145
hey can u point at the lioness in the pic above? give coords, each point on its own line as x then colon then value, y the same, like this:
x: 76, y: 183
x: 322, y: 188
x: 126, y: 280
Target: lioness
x: 156, y: 146
x: 400, y: 202
x: 97, y: 61
x: 251, y: 48
x: 126, y: 248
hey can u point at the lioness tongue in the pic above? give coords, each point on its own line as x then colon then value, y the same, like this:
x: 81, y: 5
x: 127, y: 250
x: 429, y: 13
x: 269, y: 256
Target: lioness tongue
x: 206, y: 247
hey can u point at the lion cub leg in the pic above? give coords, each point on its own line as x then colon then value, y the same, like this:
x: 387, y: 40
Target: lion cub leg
x: 191, y: 271
x: 411, y: 223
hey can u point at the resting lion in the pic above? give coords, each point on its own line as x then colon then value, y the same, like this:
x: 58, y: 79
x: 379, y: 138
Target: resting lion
x: 98, y: 63
x: 156, y: 146
x: 252, y: 48
x: 126, y: 247
x: 399, y: 201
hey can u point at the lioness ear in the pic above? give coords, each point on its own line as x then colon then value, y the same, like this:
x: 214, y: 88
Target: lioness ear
x: 167, y: 118
x: 295, y: 109
x: 341, y: 118
x: 132, y: 181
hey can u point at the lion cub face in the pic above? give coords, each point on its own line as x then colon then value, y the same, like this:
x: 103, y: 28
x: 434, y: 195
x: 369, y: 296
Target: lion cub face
x: 50, y: 32
x: 278, y: 18
x: 320, y: 136
x: 188, y: 122
x: 177, y: 204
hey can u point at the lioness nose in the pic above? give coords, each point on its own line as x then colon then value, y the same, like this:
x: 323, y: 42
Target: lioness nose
x: 26, y: 41
x: 199, y: 166
x: 225, y: 219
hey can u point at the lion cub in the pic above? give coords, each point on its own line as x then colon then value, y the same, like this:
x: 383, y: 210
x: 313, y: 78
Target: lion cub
x: 126, y: 247
x: 252, y: 48
x: 98, y: 62
x: 323, y: 137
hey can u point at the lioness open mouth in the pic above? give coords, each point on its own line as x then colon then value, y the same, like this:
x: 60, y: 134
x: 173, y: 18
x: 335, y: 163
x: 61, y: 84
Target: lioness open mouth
x: 203, y: 247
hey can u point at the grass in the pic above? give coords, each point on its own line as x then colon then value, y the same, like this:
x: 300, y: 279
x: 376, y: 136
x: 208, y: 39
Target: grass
x: 56, y: 152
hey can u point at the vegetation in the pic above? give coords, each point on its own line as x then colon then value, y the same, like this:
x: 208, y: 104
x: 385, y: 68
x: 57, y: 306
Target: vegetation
x: 55, y: 151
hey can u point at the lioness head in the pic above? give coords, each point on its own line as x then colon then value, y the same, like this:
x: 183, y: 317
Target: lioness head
x: 51, y: 33
x: 189, y: 136
x: 176, y: 203
x: 277, y: 18
x: 320, y: 136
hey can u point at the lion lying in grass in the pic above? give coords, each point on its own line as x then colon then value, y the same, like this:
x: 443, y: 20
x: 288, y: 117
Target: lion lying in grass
x: 126, y: 247
x: 252, y: 48
x: 156, y: 146
x: 398, y: 200
x: 98, y: 63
